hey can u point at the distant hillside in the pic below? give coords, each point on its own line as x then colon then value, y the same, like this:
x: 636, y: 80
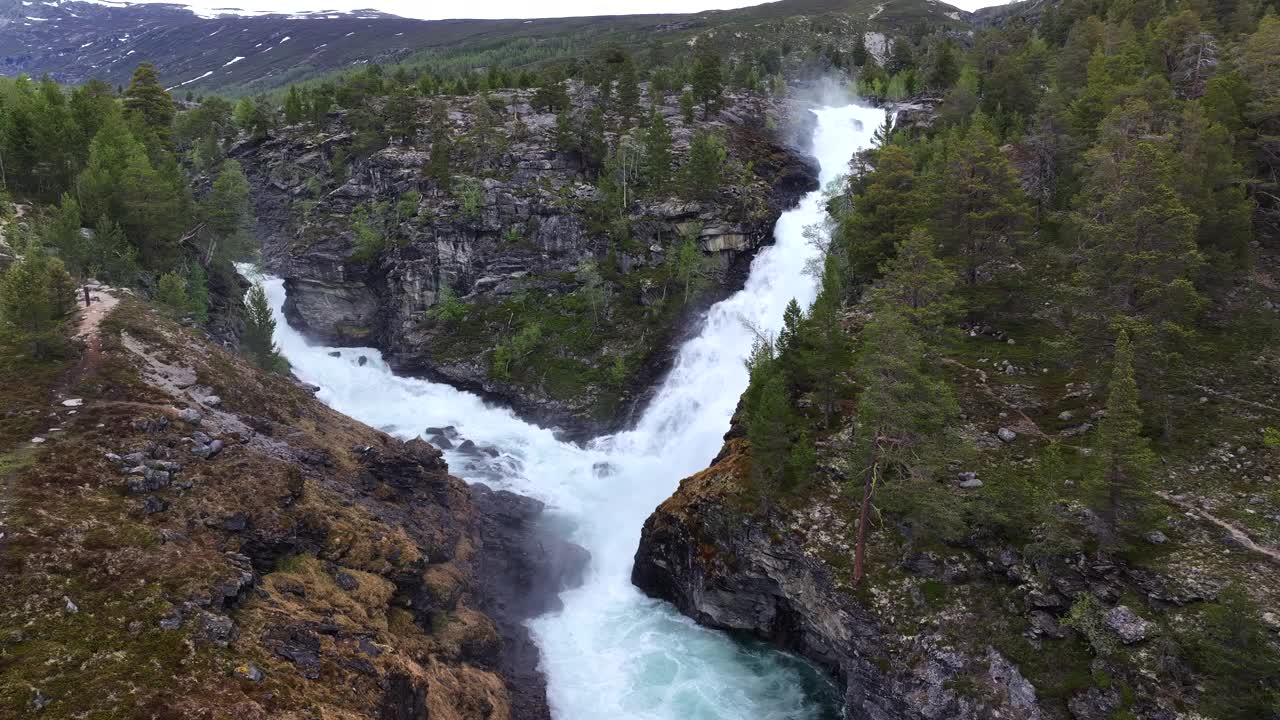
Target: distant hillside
x: 73, y: 41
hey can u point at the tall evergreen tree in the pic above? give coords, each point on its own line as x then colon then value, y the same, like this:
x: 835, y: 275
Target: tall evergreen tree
x: 147, y: 100
x: 35, y: 298
x: 294, y: 111
x: 918, y: 285
x: 705, y: 166
x: 259, y: 327
x: 887, y: 203
x: 657, y: 158
x: 902, y: 414
x: 979, y: 208
x: 229, y: 215
x: 441, y: 146
x: 1118, y: 487
x: 707, y: 78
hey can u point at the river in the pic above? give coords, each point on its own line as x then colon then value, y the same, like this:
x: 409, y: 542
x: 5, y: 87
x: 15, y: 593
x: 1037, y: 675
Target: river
x: 612, y: 653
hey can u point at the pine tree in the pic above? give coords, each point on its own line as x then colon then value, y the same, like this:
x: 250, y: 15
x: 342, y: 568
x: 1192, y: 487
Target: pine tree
x: 113, y: 259
x: 901, y: 58
x: 441, y: 145
x: 402, y: 116
x: 980, y: 210
x: 768, y: 428
x: 859, y: 53
x: 705, y: 167
x: 35, y: 297
x: 657, y: 159
x: 294, y: 112
x: 63, y: 234
x: 707, y: 78
x: 171, y: 291
x: 1118, y: 486
x: 902, y: 416
x: 886, y: 205
x: 148, y: 101
x: 229, y: 215
x: 687, y: 107
x: 944, y: 71
x: 198, y: 293
x: 259, y: 327
x: 918, y: 285
x: 628, y: 92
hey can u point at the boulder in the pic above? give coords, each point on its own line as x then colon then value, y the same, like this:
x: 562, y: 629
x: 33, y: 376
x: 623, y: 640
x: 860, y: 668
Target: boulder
x: 1126, y: 624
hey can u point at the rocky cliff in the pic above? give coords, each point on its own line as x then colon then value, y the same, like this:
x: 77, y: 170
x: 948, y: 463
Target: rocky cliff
x: 769, y: 576
x: 185, y: 536
x: 517, y: 239
x: 984, y: 626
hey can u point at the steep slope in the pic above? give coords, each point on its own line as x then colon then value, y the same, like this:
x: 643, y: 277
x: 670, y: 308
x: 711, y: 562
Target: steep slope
x: 187, y: 536
x: 515, y: 240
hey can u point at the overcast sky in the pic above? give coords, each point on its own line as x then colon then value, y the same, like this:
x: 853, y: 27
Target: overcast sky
x: 435, y: 10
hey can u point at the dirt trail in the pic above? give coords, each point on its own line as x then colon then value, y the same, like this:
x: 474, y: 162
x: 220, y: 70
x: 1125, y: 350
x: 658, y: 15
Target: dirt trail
x: 90, y: 318
x: 1232, y: 529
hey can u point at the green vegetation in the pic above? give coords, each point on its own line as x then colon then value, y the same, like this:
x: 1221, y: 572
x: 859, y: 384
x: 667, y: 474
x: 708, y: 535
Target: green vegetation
x: 1029, y: 309
x: 259, y: 326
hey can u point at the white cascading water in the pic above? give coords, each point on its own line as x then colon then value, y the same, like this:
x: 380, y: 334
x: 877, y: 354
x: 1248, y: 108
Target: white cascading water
x: 612, y: 652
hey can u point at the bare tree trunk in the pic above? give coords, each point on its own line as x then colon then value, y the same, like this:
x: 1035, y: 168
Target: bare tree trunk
x: 864, y: 516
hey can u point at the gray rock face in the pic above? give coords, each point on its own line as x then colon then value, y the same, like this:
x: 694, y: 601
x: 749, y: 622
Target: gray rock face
x: 743, y: 574
x: 1126, y: 624
x: 519, y: 224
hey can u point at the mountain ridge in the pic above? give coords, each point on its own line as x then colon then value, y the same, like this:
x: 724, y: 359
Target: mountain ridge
x: 76, y: 40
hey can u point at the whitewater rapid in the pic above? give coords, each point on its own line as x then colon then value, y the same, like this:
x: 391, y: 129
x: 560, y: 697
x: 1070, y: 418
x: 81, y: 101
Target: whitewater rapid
x: 611, y: 652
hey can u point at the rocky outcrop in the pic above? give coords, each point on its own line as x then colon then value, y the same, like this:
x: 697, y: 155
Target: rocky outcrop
x: 738, y: 571
x: 518, y: 222
x: 237, y: 538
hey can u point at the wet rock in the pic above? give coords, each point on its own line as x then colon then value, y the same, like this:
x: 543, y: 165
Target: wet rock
x: 523, y: 566
x: 362, y: 361
x: 468, y: 448
x: 1126, y: 624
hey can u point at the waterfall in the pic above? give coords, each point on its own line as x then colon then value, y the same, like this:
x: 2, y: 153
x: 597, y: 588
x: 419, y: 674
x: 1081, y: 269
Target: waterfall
x: 611, y: 652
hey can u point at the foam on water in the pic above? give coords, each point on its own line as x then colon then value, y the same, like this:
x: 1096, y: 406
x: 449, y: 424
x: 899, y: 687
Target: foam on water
x: 613, y: 653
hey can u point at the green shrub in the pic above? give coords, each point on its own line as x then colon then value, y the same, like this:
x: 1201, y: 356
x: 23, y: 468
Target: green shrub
x: 448, y: 308
x: 172, y: 292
